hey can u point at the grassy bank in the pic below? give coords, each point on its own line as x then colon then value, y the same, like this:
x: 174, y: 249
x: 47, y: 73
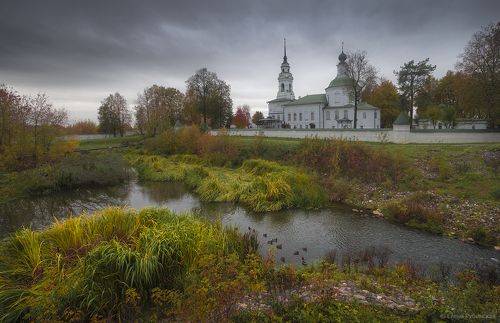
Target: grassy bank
x: 444, y: 189
x: 152, y: 265
x: 76, y: 170
x: 260, y: 185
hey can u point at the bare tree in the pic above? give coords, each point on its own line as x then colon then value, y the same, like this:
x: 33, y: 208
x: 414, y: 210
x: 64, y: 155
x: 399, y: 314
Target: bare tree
x: 43, y: 121
x: 481, y: 60
x: 362, y: 75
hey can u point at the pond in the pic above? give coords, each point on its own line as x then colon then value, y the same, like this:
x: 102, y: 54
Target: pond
x: 312, y: 233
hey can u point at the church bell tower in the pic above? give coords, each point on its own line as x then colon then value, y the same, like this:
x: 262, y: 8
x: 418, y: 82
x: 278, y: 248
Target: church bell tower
x: 285, y: 78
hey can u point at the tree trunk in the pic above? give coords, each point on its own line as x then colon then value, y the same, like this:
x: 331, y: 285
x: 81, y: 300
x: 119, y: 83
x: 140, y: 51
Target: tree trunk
x: 411, y: 103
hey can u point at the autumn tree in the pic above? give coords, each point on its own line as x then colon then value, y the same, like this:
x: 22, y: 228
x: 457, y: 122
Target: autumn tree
x: 481, y: 60
x: 114, y: 115
x: 362, y: 75
x: 385, y: 96
x: 29, y: 128
x: 411, y: 79
x: 212, y: 98
x: 257, y: 116
x: 82, y: 127
x: 157, y: 109
x: 242, y: 116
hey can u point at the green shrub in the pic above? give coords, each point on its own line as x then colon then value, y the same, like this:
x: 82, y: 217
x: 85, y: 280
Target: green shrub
x: 482, y: 236
x: 442, y: 167
x: 339, y: 189
x: 496, y: 193
x: 416, y: 210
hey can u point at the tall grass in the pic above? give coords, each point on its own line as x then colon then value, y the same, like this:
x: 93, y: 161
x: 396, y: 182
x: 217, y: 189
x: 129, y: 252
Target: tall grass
x: 88, y: 263
x: 260, y: 185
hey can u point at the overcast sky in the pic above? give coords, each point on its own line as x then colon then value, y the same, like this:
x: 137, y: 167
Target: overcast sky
x: 78, y: 52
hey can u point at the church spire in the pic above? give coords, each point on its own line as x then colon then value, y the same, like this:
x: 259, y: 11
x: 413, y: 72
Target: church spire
x: 285, y: 78
x: 284, y: 51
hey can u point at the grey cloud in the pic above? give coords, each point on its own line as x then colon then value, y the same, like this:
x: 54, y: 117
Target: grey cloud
x: 90, y: 48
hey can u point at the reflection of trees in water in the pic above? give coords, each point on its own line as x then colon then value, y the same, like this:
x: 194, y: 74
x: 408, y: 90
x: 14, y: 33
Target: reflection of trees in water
x: 41, y: 211
x: 160, y: 192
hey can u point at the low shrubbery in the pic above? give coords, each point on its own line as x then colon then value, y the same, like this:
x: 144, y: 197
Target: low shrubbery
x: 350, y: 159
x: 417, y: 210
x: 75, y: 171
x: 260, y: 185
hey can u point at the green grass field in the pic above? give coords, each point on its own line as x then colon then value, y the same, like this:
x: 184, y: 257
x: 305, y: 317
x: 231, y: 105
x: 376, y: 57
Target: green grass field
x: 101, y: 143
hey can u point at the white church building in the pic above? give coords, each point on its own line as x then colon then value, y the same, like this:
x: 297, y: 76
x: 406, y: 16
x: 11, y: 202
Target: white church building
x: 333, y: 109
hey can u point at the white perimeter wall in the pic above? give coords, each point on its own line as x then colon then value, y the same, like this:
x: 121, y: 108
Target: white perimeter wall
x: 377, y: 135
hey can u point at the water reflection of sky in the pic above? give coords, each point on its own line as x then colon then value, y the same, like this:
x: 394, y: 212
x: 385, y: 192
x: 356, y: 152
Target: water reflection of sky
x: 319, y: 231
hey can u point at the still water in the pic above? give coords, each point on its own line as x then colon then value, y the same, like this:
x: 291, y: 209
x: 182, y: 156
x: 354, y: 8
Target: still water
x: 319, y: 231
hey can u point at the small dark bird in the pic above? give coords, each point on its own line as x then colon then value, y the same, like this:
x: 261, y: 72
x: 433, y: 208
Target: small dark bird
x: 275, y: 240
x: 304, y: 249
x: 296, y: 253
x: 265, y: 235
x: 282, y: 259
x: 270, y: 242
x: 303, y: 262
x: 279, y: 246
x: 249, y: 229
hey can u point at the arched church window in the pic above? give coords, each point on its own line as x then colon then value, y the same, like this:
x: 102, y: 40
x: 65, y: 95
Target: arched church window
x: 312, y: 116
x: 300, y: 116
x: 289, y: 117
x: 295, y: 117
x: 345, y: 114
x: 327, y: 115
x: 290, y: 87
x: 282, y: 87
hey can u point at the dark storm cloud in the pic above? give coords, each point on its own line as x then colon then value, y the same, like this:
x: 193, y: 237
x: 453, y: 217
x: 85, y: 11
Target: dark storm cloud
x: 78, y: 51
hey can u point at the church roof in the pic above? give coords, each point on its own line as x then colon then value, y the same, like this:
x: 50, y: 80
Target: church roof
x: 340, y: 81
x: 309, y: 99
x: 280, y: 100
x: 361, y: 106
x: 402, y: 119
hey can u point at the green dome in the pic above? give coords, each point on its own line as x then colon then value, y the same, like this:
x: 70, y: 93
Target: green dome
x: 343, y: 81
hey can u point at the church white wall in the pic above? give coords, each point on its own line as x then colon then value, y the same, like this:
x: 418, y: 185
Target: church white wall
x: 338, y: 96
x: 378, y: 135
x: 305, y: 111
x: 275, y: 109
x: 366, y: 118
